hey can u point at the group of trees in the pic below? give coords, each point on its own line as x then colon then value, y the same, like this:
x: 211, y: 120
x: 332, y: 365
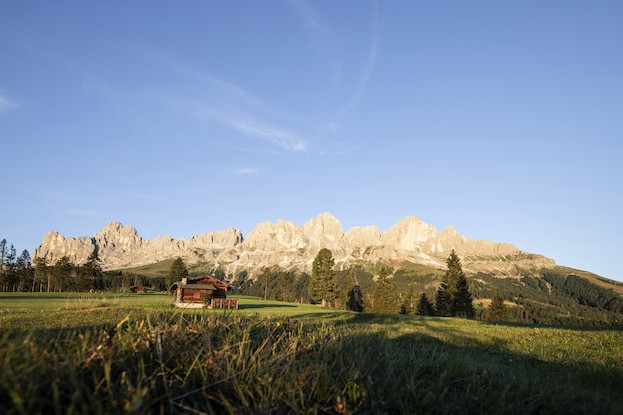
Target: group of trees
x: 19, y: 273
x: 16, y: 273
x: 355, y: 289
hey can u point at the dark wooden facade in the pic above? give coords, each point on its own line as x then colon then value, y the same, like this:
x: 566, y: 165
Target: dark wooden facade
x: 196, y: 292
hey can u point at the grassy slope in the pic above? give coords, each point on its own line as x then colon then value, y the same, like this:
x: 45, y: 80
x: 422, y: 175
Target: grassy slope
x: 157, y: 269
x: 139, y: 355
x: 420, y: 269
x: 616, y: 286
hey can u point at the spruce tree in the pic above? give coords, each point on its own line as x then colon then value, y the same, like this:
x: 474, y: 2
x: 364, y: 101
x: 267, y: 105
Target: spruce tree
x: 442, y: 301
x: 322, y: 286
x: 424, y: 307
x: 386, y: 298
x: 497, y: 311
x: 453, y: 296
x: 355, y: 299
x: 177, y: 271
x: 91, y: 272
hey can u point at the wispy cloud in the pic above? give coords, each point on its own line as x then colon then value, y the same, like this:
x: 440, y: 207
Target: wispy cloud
x: 244, y: 123
x: 253, y: 171
x: 6, y: 104
x: 365, y: 74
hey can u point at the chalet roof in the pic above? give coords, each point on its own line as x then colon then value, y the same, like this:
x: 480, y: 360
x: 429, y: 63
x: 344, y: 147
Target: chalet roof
x: 198, y: 286
x: 200, y: 277
x: 211, y: 282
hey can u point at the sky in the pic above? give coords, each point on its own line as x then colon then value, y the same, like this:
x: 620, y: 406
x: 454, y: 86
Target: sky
x: 503, y: 119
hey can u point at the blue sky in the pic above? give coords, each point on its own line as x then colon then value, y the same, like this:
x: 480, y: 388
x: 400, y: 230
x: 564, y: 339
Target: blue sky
x: 504, y: 119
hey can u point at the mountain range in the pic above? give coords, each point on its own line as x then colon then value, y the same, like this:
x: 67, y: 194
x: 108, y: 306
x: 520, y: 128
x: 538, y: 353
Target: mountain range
x: 290, y: 246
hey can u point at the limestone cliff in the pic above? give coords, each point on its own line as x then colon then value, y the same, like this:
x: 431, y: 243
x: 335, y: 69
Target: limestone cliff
x: 291, y: 246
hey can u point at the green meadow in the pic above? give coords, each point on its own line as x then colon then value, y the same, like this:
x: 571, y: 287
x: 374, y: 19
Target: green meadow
x: 128, y: 353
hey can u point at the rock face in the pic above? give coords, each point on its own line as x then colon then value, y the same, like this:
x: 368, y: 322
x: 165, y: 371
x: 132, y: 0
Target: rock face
x: 290, y: 246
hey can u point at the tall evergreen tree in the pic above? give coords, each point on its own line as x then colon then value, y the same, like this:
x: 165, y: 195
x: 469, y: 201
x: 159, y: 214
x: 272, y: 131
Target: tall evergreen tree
x: 61, y: 272
x: 453, y: 297
x: 42, y: 274
x: 442, y: 301
x: 386, y: 299
x: 424, y: 307
x: 3, y: 251
x: 322, y: 286
x: 25, y: 272
x: 497, y: 311
x: 91, y: 272
x: 177, y: 271
x: 355, y: 299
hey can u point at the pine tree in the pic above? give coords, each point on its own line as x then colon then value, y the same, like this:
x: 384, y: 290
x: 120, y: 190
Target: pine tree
x: 442, y: 301
x: 322, y: 286
x: 42, y: 273
x: 61, y: 271
x: 355, y: 299
x: 386, y: 298
x: 498, y: 311
x: 177, y: 271
x: 463, y: 305
x: 453, y: 297
x: 424, y: 307
x: 91, y: 272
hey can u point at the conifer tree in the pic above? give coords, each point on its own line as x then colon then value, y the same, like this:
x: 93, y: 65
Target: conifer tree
x: 453, y: 297
x: 355, y: 299
x: 91, y: 272
x: 42, y: 274
x: 177, y: 271
x: 498, y: 311
x: 424, y: 307
x: 442, y: 301
x: 386, y: 298
x: 322, y: 285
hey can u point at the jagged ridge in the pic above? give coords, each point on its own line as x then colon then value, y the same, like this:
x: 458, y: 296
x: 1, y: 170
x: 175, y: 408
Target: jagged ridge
x: 291, y: 246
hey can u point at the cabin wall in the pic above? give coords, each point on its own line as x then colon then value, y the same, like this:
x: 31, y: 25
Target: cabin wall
x: 195, y: 296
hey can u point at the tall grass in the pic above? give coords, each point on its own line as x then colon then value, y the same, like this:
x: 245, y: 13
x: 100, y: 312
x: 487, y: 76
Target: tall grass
x: 229, y: 363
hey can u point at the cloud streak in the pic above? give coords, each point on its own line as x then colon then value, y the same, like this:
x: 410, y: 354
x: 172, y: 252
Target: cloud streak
x: 245, y: 124
x: 366, y: 71
x: 253, y: 171
x: 6, y: 104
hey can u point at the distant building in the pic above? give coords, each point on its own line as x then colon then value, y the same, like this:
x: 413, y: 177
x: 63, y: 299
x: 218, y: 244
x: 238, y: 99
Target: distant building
x: 200, y: 292
x: 138, y: 289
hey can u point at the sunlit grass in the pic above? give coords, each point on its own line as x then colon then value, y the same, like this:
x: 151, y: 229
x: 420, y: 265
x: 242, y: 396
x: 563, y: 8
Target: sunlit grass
x: 117, y: 354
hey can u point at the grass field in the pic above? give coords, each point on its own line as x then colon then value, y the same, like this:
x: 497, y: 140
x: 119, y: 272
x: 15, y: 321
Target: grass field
x: 111, y: 353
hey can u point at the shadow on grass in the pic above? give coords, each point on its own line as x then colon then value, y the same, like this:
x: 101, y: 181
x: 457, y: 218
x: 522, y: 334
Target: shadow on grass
x: 267, y: 305
x: 554, y: 326
x: 417, y: 372
x: 302, y: 368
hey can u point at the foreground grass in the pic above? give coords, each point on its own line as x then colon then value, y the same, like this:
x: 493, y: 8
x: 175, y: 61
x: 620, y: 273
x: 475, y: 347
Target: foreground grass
x: 161, y: 360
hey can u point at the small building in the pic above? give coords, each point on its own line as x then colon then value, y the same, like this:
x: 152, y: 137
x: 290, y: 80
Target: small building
x: 138, y: 289
x: 198, y: 292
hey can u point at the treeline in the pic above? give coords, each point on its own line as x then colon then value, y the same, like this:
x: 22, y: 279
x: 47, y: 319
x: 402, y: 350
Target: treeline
x: 357, y: 289
x: 19, y: 273
x: 552, y: 298
x: 16, y: 273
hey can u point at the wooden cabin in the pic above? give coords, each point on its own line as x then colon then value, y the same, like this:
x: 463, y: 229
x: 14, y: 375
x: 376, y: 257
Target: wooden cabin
x: 198, y: 292
x: 138, y: 289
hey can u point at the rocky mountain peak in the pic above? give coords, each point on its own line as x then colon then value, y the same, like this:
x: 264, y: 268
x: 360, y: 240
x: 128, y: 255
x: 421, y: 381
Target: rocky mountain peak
x: 324, y: 231
x: 291, y: 246
x: 409, y: 233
